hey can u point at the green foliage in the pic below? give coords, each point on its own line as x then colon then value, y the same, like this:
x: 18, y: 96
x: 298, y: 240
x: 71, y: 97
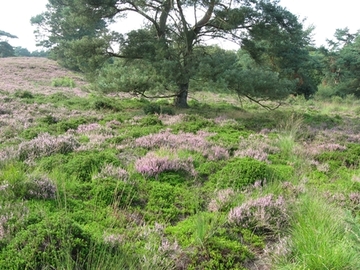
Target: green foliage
x: 24, y: 94
x: 207, y: 168
x: 162, y: 55
x: 63, y: 82
x: 82, y: 165
x: 156, y: 108
x: 342, y: 64
x: 211, y: 245
x: 193, y: 123
x: 168, y: 203
x: 102, y: 103
x: 348, y: 157
x: 109, y: 191
x: 319, y: 239
x: 241, y: 172
x: 21, y: 52
x: 6, y: 50
x: 323, y: 120
x: 42, y: 244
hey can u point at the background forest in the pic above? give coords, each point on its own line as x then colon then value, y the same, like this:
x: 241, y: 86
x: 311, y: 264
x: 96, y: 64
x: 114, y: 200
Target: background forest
x: 156, y: 149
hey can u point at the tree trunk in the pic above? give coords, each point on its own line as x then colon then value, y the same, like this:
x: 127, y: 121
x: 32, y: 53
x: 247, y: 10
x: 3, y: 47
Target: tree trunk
x: 181, y: 98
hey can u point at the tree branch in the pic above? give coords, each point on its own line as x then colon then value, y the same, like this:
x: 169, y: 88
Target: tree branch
x: 262, y: 105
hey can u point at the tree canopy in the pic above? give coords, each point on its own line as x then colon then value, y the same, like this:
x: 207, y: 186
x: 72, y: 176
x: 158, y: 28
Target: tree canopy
x: 342, y: 63
x: 6, y: 50
x: 170, y: 49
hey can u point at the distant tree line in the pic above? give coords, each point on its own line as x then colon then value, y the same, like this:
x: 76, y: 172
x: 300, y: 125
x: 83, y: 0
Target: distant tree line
x: 6, y: 50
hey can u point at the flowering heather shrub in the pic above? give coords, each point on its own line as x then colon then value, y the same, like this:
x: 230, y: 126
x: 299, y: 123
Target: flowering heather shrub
x: 152, y: 165
x: 188, y: 141
x: 315, y: 149
x: 46, y: 145
x: 159, y: 252
x: 266, y: 214
x: 257, y: 147
x: 40, y: 187
x: 11, y: 215
x: 88, y: 128
x: 109, y: 170
x: 223, y: 196
x: 8, y: 153
x: 167, y: 119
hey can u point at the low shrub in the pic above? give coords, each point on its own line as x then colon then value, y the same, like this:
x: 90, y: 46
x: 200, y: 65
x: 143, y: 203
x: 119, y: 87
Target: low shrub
x: 24, y: 94
x: 45, y: 244
x: 241, y: 172
x: 63, y: 82
x: 211, y: 245
x: 168, y: 203
x: 153, y: 165
x: 46, y: 145
x: 348, y: 157
x: 107, y: 104
x: 84, y: 165
x: 265, y: 215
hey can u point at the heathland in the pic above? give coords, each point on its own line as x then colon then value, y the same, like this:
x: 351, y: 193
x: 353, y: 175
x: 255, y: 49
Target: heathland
x: 96, y: 181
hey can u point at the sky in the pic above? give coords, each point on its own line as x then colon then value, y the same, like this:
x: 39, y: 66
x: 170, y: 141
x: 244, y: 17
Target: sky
x: 326, y: 16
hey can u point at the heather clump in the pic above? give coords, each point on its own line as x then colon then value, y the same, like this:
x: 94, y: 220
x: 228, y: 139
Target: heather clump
x: 187, y: 141
x: 12, y: 216
x: 152, y: 164
x: 158, y: 251
x: 267, y: 215
x: 348, y: 157
x: 222, y: 198
x: 33, y: 187
x: 257, y: 147
x: 46, y: 145
x: 109, y: 170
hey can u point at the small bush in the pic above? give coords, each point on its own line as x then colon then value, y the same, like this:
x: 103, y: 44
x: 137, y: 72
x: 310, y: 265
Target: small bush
x: 63, y: 82
x: 211, y: 245
x: 46, y: 145
x: 150, y: 120
x: 41, y: 245
x: 107, y: 104
x: 84, y: 165
x: 152, y: 108
x: 262, y: 215
x: 24, y: 94
x: 240, y: 172
x: 152, y: 165
x: 348, y: 157
x: 35, y: 187
x: 167, y: 203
